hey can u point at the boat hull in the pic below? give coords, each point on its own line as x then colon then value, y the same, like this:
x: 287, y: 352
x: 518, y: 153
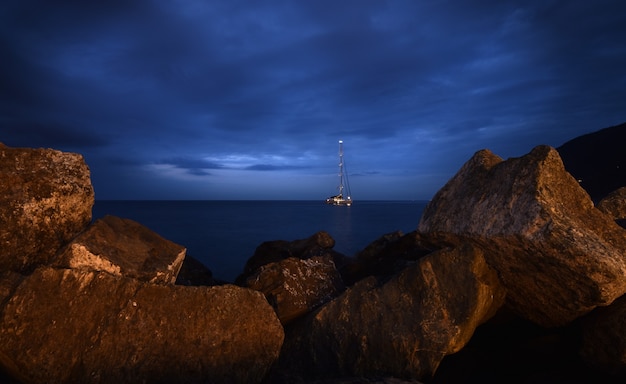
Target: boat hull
x: 339, y: 201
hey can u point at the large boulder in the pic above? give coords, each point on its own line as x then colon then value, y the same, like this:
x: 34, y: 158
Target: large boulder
x: 402, y: 327
x: 295, y: 286
x: 46, y: 199
x: 558, y: 256
x: 126, y: 248
x: 64, y: 325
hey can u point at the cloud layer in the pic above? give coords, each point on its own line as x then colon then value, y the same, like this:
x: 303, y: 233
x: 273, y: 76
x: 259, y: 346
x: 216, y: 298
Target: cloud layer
x: 243, y: 99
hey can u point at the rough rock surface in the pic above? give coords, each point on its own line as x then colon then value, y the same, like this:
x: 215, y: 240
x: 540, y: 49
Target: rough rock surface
x: 124, y: 247
x: 294, y: 286
x: 318, y: 244
x: 46, y: 199
x: 614, y: 204
x: 558, y: 256
x: 401, y: 328
x: 78, y: 326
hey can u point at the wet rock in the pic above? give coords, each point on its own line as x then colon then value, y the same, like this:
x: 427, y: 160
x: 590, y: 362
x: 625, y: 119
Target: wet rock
x: 614, y: 204
x: 65, y: 325
x: 402, y: 327
x: 295, y: 286
x: 46, y: 199
x: 124, y: 247
x: 558, y: 256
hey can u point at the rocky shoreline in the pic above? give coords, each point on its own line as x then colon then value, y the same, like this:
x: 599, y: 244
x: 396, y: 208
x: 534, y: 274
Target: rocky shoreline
x: 512, y: 274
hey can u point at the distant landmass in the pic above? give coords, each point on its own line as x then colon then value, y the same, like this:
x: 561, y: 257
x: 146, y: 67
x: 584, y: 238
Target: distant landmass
x: 597, y: 160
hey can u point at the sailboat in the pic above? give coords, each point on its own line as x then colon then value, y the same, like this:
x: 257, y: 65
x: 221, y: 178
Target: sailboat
x: 340, y: 199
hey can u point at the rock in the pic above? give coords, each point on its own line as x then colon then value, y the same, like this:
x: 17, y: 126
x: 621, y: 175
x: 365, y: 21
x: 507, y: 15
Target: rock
x: 65, y: 325
x: 508, y: 349
x: 392, y: 252
x: 294, y: 286
x: 272, y: 251
x: 558, y: 256
x: 124, y: 247
x: 194, y: 273
x: 46, y: 199
x: 604, y: 339
x: 614, y: 204
x: 402, y: 327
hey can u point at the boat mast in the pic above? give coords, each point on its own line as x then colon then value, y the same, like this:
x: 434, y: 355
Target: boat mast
x: 341, y: 168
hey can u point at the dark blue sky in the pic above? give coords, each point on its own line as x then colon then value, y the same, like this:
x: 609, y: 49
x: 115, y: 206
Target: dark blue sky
x: 248, y: 99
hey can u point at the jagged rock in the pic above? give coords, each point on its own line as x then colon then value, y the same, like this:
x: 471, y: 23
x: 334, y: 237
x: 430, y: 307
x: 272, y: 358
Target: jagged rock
x: 558, y: 256
x: 318, y: 244
x: 604, y: 339
x: 124, y: 247
x: 614, y: 204
x: 45, y: 200
x: 403, y: 327
x: 76, y: 326
x: 294, y: 286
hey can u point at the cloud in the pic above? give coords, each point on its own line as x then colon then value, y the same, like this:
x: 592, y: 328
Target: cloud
x: 272, y: 167
x: 413, y: 87
x: 193, y: 166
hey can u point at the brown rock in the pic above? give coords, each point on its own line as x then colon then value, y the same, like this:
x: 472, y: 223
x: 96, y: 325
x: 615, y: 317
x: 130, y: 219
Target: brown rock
x: 45, y: 200
x: 272, y: 251
x: 79, y: 326
x: 294, y: 287
x: 124, y: 247
x: 401, y: 328
x: 558, y: 256
x: 614, y: 204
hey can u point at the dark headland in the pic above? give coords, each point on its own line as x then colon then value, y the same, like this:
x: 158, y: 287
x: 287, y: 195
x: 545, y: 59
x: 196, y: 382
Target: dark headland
x: 516, y: 273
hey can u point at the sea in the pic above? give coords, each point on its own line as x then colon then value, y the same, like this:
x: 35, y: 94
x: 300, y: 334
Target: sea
x: 223, y: 235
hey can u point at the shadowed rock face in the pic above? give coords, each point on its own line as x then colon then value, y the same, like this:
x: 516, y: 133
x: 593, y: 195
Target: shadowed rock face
x: 46, y: 199
x: 614, y: 204
x: 124, y: 247
x: 598, y: 160
x: 74, y: 326
x: 604, y: 339
x: 558, y: 256
x: 403, y: 327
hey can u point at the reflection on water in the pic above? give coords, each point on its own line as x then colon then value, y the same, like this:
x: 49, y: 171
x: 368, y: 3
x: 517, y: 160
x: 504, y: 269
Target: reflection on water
x: 224, y: 234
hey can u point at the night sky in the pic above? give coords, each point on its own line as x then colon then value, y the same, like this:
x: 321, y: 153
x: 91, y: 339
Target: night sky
x: 248, y: 99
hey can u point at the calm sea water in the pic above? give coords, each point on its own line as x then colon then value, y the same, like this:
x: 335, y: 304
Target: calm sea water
x: 224, y: 234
